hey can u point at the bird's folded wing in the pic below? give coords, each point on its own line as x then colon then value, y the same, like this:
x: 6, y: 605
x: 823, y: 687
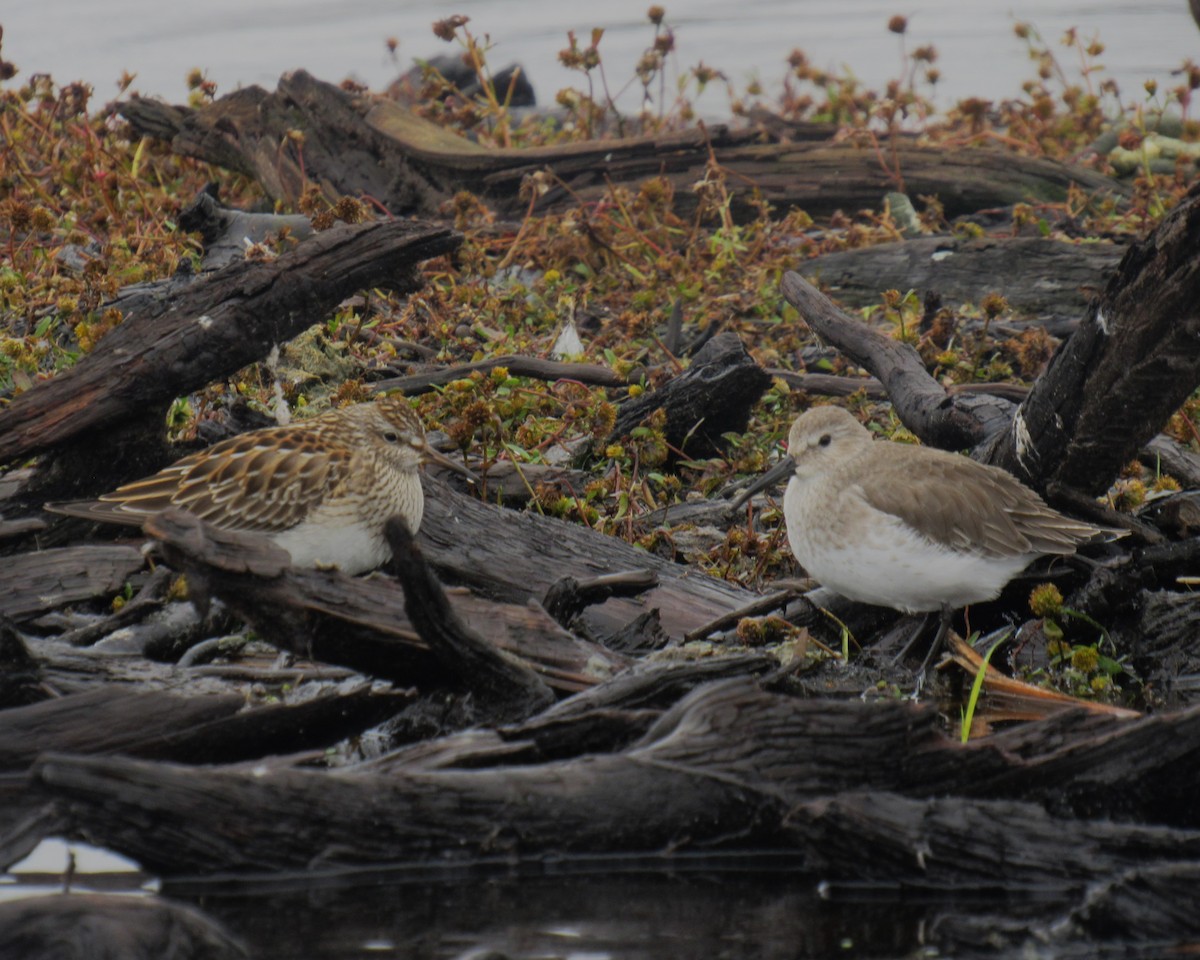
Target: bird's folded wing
x: 983, y: 510
x: 255, y: 482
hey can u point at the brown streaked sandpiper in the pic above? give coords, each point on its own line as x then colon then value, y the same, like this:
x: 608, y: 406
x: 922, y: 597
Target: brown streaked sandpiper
x: 910, y: 527
x: 322, y: 488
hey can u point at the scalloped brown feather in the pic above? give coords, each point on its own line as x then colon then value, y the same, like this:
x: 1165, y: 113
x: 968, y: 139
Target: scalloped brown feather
x: 266, y: 481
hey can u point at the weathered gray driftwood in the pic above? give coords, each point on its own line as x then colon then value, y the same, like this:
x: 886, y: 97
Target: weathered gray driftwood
x: 728, y: 767
x: 411, y: 166
x: 1052, y: 280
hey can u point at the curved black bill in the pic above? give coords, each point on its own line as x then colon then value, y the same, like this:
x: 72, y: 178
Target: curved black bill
x: 783, y: 470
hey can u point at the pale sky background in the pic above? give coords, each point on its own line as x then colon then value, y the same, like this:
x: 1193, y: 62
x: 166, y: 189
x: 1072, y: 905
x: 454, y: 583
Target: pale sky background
x: 241, y: 42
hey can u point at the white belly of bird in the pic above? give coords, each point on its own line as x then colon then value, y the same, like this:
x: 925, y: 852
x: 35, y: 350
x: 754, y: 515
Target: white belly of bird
x: 349, y: 535
x: 875, y: 558
x: 352, y: 547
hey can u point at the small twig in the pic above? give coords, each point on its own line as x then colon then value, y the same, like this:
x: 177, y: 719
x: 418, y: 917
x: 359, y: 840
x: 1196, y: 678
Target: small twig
x: 551, y: 370
x: 147, y: 599
x: 771, y: 601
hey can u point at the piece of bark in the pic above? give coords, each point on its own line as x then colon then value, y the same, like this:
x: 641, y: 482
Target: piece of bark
x: 1112, y: 386
x: 33, y: 583
x: 712, y: 397
x: 569, y: 597
x: 411, y: 165
x: 361, y: 623
x: 108, y: 926
x: 217, y: 325
x: 1052, y: 280
x: 504, y: 688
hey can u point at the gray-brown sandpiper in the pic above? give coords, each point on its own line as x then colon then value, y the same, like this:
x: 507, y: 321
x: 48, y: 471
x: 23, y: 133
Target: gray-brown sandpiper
x: 910, y: 527
x: 322, y: 489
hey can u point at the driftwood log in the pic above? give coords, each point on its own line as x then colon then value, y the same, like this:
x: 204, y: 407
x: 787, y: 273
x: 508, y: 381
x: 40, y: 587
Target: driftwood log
x: 1134, y: 359
x: 1108, y: 390
x: 213, y: 327
x: 363, y: 623
x: 938, y: 418
x: 412, y: 166
x: 728, y: 767
x: 1051, y: 280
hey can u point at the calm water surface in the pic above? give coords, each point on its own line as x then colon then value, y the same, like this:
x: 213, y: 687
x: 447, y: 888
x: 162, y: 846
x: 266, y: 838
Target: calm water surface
x: 240, y: 42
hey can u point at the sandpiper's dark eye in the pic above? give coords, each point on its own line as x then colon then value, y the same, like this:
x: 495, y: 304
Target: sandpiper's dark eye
x: 391, y: 436
x: 825, y: 438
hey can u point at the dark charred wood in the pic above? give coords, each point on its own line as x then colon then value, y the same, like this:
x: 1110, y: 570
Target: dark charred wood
x: 951, y: 844
x: 1135, y: 358
x: 643, y: 634
x: 721, y: 768
x: 504, y: 688
x: 848, y: 785
x: 100, y: 925
x: 277, y: 729
x: 1081, y: 765
x: 20, y: 674
x: 1048, y: 279
x: 217, y: 325
x: 1151, y: 904
x: 712, y: 397
x: 360, y: 623
x: 106, y: 720
x: 225, y: 231
x: 1112, y: 586
x: 569, y: 597
x: 607, y: 717
x: 1168, y: 629
x: 411, y: 165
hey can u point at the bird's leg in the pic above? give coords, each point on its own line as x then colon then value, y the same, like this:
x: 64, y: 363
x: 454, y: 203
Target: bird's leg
x: 916, y: 635
x: 939, y: 640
